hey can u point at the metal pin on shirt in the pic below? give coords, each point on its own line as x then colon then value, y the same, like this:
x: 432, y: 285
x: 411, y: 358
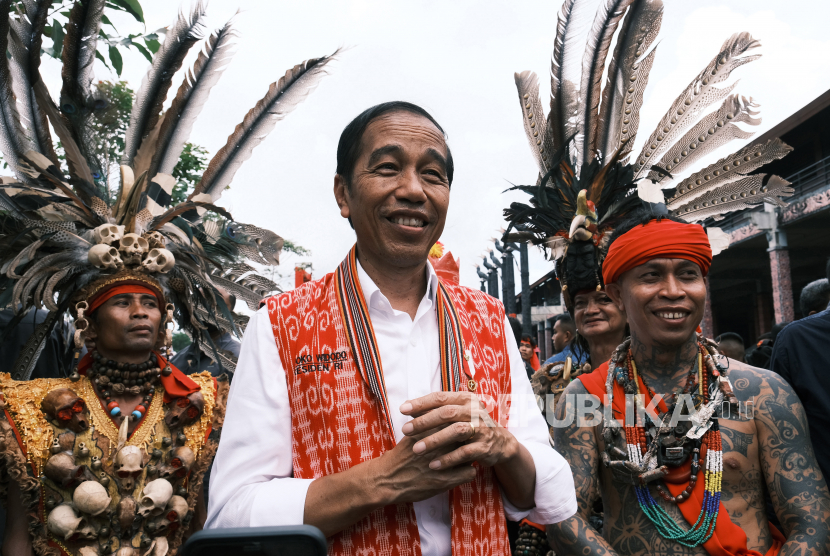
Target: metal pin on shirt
x: 471, y: 383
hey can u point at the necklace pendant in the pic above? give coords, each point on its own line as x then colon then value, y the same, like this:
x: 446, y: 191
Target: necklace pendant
x: 471, y: 385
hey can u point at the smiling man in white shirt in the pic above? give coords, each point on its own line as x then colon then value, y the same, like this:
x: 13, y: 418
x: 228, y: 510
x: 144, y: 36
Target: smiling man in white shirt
x: 372, y: 403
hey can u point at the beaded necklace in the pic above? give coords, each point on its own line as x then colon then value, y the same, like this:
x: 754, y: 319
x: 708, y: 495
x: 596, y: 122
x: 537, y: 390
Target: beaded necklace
x: 641, y: 453
x: 111, y: 377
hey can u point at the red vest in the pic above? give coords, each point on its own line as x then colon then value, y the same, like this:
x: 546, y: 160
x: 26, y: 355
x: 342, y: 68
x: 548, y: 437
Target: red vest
x: 339, y: 414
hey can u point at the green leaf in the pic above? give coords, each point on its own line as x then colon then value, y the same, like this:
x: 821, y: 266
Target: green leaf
x: 133, y: 7
x: 144, y: 51
x: 152, y: 44
x: 101, y: 57
x: 57, y: 38
x: 117, y: 62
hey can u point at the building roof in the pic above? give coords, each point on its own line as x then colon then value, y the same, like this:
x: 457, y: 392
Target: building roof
x: 797, y: 118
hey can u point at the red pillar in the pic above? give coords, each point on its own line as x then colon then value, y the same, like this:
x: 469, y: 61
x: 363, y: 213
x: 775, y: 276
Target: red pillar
x: 708, y: 323
x: 782, y: 287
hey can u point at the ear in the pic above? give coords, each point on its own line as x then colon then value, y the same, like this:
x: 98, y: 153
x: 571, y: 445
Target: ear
x: 341, y: 195
x: 614, y: 291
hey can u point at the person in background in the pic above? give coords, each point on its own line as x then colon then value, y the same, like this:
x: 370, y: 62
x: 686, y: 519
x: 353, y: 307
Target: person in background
x: 600, y: 326
x: 759, y: 355
x: 815, y: 297
x: 564, y: 332
x: 196, y: 358
x: 516, y: 327
x: 800, y: 357
x: 527, y: 349
x: 731, y: 344
x: 52, y: 362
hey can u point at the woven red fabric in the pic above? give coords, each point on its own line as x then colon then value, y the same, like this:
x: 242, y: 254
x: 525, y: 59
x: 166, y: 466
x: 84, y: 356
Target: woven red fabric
x: 337, y: 422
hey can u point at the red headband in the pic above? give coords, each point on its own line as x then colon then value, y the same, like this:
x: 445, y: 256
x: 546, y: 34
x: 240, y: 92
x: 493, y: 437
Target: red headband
x: 664, y: 239
x: 118, y: 290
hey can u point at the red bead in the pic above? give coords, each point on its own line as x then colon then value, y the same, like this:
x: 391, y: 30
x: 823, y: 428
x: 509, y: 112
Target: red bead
x: 141, y: 409
x: 112, y: 405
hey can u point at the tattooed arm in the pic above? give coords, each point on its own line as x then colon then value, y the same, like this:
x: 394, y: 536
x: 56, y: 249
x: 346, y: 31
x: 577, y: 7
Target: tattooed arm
x: 579, y: 448
x: 797, y: 488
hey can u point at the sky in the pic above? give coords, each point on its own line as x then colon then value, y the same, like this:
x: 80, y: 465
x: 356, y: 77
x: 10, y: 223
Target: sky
x: 456, y: 59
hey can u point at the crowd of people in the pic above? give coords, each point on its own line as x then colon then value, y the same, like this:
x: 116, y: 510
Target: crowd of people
x: 393, y: 409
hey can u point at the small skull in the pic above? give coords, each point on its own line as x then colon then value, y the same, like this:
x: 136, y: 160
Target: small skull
x: 67, y: 409
x: 181, y: 460
x: 125, y: 513
x: 104, y: 256
x: 129, y: 462
x: 91, y: 498
x: 185, y: 411
x: 155, y: 239
x: 61, y: 470
x: 154, y: 498
x: 171, y: 519
x: 159, y: 260
x: 132, y: 247
x: 63, y: 522
x: 107, y: 234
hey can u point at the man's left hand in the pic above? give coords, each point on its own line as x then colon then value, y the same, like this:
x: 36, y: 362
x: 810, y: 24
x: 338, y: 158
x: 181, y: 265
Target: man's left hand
x: 462, y: 419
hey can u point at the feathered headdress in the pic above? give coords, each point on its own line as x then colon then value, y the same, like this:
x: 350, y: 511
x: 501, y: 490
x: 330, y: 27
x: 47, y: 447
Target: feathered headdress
x: 588, y: 180
x: 62, y: 236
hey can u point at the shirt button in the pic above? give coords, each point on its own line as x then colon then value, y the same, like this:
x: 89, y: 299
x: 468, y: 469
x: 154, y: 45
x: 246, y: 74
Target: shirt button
x: 414, y: 342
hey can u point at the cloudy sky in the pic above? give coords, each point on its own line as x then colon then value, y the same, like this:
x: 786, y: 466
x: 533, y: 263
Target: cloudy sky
x: 457, y: 60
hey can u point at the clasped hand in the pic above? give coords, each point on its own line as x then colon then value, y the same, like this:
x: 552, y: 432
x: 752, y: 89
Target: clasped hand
x: 438, y: 448
x: 457, y: 420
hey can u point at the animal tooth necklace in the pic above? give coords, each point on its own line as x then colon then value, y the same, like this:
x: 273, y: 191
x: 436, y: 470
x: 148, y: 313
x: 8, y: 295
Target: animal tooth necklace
x: 639, y: 450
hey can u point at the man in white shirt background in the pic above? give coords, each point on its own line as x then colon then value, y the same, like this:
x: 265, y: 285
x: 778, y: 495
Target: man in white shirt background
x: 370, y: 403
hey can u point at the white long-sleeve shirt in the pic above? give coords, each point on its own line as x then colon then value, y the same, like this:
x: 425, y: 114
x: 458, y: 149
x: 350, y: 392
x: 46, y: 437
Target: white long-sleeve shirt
x: 251, y: 482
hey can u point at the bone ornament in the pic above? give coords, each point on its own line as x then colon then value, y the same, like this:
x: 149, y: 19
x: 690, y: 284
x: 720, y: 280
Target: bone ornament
x: 107, y: 234
x: 129, y: 462
x: 185, y: 411
x: 160, y: 547
x: 63, y: 522
x: 67, y: 409
x: 181, y: 460
x: 61, y: 469
x: 91, y: 498
x: 170, y: 520
x: 125, y: 512
x: 133, y: 247
x: 154, y: 498
x: 159, y: 260
x: 155, y: 239
x: 105, y: 257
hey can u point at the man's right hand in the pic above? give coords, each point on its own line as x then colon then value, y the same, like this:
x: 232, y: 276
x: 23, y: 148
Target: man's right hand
x: 401, y: 475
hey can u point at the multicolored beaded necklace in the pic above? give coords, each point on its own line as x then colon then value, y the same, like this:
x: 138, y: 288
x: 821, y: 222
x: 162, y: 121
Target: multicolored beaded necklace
x: 111, y: 377
x: 641, y: 453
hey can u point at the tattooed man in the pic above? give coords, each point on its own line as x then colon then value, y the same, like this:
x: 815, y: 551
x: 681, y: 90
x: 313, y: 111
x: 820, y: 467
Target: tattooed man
x: 654, y: 503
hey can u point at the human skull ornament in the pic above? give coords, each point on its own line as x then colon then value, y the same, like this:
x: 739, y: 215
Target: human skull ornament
x: 104, y: 256
x: 159, y: 260
x: 61, y: 470
x: 63, y: 522
x: 155, y: 239
x: 185, y: 411
x: 91, y: 498
x: 154, y: 498
x: 107, y: 234
x: 181, y: 460
x: 132, y: 247
x: 129, y: 462
x: 67, y: 409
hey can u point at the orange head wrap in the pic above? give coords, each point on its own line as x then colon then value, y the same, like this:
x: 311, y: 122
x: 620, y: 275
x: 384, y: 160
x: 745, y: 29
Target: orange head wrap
x: 103, y: 296
x: 663, y: 239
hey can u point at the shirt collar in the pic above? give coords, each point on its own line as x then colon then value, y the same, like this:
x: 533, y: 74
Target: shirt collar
x: 377, y: 301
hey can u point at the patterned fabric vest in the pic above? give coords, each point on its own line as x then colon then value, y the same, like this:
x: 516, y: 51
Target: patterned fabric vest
x: 50, y: 461
x: 339, y: 413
